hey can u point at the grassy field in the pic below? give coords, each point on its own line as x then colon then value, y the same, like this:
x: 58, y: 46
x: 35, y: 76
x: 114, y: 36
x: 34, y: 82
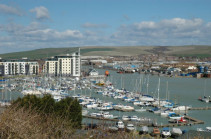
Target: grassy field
x: 197, y: 51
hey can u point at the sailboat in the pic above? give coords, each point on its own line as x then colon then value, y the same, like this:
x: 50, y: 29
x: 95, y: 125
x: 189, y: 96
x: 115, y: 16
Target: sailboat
x: 205, y: 98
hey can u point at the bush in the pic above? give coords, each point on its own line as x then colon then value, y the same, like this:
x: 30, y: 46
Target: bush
x: 66, y: 108
x: 27, y: 123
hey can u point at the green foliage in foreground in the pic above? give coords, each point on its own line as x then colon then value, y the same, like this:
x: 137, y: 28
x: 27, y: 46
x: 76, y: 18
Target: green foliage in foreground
x: 66, y: 108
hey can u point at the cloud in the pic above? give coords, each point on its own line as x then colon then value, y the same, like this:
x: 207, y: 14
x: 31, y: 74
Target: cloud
x: 35, y: 35
x: 91, y: 25
x: 4, y: 9
x: 176, y: 31
x: 41, y: 12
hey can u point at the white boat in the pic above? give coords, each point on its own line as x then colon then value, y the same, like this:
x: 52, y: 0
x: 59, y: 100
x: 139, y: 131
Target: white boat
x: 120, y: 125
x: 207, y: 100
x: 93, y: 114
x: 157, y: 112
x: 165, y: 132
x: 130, y: 127
x: 136, y: 103
x: 140, y: 110
x: 200, y: 130
x: 84, y: 103
x: 144, y: 130
x: 134, y: 118
x: 105, y: 108
x: 176, y: 132
x: 146, y: 99
x: 164, y: 113
x: 181, y: 108
x: 91, y: 105
x: 127, y: 108
x: 109, y: 116
x: 208, y: 129
x: 125, y: 118
x: 175, y: 116
x: 31, y: 92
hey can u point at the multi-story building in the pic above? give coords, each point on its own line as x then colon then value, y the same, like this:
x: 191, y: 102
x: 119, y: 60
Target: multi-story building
x: 18, y: 66
x: 63, y: 65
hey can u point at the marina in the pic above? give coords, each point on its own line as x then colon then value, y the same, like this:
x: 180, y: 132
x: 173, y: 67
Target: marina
x: 137, y: 99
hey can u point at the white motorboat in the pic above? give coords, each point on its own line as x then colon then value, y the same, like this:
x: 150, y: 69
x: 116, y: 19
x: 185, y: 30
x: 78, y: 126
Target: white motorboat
x: 208, y: 129
x: 164, y: 113
x: 165, y: 132
x: 200, y: 130
x: 144, y: 130
x: 157, y: 112
x: 120, y: 125
x: 176, y: 132
x: 91, y: 105
x: 181, y: 108
x: 109, y: 116
x: 134, y: 118
x: 136, y: 103
x: 130, y: 127
x: 175, y: 116
x: 127, y: 108
x: 146, y: 99
x: 140, y: 110
x: 125, y: 118
x: 105, y: 108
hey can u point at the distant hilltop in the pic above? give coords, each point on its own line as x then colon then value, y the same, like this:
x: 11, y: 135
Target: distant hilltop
x: 186, y: 51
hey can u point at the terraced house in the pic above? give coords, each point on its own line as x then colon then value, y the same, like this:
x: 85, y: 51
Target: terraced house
x: 63, y: 65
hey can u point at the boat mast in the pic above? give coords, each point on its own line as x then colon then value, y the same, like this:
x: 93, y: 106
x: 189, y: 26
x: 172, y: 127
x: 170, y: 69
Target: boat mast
x: 159, y: 92
x: 147, y: 83
x: 166, y: 90
x: 205, y: 84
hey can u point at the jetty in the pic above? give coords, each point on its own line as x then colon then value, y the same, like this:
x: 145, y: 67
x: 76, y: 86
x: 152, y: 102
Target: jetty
x: 200, y: 108
x: 148, y: 123
x: 189, y: 122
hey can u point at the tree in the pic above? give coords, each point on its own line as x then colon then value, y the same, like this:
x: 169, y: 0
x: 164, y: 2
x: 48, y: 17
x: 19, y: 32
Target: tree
x: 66, y: 108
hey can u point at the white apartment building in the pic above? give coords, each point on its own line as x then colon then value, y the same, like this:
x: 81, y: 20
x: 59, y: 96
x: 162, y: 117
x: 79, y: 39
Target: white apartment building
x: 63, y: 65
x: 17, y: 67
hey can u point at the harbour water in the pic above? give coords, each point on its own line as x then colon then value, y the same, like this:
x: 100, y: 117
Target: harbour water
x: 184, y: 91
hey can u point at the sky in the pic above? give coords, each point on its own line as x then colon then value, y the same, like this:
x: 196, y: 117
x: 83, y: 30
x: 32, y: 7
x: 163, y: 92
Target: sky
x: 34, y: 24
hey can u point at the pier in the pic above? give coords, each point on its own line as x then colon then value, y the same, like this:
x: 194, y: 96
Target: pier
x: 189, y: 122
x: 200, y: 108
x: 141, y: 123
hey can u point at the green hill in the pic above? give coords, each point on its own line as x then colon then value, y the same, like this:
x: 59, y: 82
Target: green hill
x: 198, y: 51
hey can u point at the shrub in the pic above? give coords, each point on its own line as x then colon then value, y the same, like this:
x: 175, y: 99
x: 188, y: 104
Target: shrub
x: 66, y: 108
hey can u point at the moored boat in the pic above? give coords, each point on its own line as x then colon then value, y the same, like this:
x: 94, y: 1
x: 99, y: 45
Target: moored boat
x: 176, y: 132
x: 165, y: 132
